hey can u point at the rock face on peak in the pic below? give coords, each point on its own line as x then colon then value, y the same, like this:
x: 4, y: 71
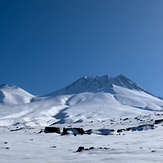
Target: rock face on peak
x: 11, y: 94
x: 123, y: 81
x: 97, y: 84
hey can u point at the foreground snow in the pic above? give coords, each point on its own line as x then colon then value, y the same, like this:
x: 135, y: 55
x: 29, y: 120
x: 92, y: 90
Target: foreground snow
x: 131, y: 147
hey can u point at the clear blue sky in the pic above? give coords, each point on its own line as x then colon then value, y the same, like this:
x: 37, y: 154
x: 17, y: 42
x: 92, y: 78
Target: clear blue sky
x: 47, y: 44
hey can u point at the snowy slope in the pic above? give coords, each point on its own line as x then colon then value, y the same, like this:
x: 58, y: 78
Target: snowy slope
x: 10, y: 94
x: 89, y: 101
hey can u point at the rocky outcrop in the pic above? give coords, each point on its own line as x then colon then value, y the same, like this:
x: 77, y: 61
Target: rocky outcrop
x: 81, y: 148
x: 81, y: 131
x: 141, y: 127
x: 137, y: 128
x: 158, y: 121
x: 52, y: 130
x: 74, y: 131
x: 104, y: 131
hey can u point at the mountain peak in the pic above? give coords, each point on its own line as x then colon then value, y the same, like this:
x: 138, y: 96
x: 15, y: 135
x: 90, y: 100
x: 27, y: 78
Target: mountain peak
x: 123, y: 81
x: 121, y: 76
x: 97, y: 84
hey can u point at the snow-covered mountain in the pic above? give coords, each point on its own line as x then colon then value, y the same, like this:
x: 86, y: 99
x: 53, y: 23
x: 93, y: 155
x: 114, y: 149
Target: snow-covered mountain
x: 11, y: 94
x: 97, y: 84
x: 88, y: 101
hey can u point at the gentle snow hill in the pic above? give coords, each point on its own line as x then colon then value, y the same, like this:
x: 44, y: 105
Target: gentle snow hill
x: 89, y: 101
x: 11, y: 94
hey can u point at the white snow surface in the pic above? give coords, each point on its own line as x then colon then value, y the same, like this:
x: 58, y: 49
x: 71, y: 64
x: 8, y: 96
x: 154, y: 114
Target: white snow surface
x: 10, y: 95
x: 31, y: 147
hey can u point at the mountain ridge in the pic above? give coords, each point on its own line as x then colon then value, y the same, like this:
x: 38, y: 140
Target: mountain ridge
x: 96, y: 84
x: 85, y: 83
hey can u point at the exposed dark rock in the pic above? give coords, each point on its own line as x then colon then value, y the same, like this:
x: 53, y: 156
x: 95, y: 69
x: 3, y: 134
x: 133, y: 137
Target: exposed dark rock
x: 138, y: 119
x: 120, y: 130
x: 87, y: 149
x: 6, y: 147
x: 42, y: 130
x: 80, y: 149
x: 91, y: 148
x: 100, y: 131
x: 106, y: 148
x: 64, y: 132
x: 5, y: 142
x: 129, y: 128
x: 80, y: 130
x: 141, y: 127
x: 52, y: 130
x: 105, y: 131
x: 103, y: 148
x: 17, y: 129
x: 89, y: 132
x: 158, y: 121
x: 125, y: 119
x: 153, y: 151
x: 74, y: 131
x: 79, y: 121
